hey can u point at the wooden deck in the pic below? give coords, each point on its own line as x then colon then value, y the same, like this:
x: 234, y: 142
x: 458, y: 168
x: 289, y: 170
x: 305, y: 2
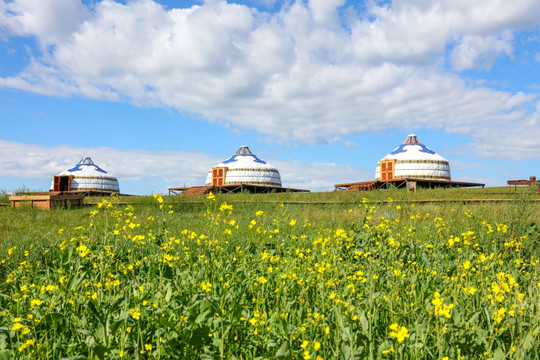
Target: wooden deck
x: 47, y: 201
x: 225, y: 189
x: 403, y: 183
x: 532, y: 181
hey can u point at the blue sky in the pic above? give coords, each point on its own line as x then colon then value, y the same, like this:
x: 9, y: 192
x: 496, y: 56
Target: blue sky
x: 157, y: 92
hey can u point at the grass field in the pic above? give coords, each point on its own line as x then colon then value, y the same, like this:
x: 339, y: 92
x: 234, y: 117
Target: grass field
x: 349, y: 276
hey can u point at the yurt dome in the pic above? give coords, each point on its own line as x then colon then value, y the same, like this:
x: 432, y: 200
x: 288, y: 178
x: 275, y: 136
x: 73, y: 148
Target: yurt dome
x: 412, y: 160
x: 244, y: 168
x: 86, y: 176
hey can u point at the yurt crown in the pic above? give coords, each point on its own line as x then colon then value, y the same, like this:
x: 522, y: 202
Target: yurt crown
x: 244, y: 150
x: 411, y: 139
x: 87, y: 161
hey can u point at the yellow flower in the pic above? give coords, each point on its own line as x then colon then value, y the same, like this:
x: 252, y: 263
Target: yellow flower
x: 440, y: 308
x: 17, y: 326
x: 304, y: 345
x: 28, y: 343
x: 398, y: 332
x: 148, y: 347
x: 499, y: 315
x: 135, y: 314
x: 35, y: 302
x: 206, y: 286
x: 211, y: 197
x: 316, y: 346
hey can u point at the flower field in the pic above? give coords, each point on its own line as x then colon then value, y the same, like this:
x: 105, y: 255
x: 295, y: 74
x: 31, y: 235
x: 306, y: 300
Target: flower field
x: 223, y: 280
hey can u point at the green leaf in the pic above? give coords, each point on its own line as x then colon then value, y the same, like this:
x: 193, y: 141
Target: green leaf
x: 100, y: 351
x: 163, y: 321
x: 528, y: 342
x: 168, y: 293
x: 199, y: 337
x: 346, y: 352
x: 118, y: 303
x: 283, y: 351
x: 498, y: 354
x: 94, y: 311
x: 364, y: 322
x: 115, y: 325
x: 201, y: 317
x: 6, y: 355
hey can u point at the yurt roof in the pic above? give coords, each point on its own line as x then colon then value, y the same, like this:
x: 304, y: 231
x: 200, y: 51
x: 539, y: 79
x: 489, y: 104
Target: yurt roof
x: 86, y: 166
x: 412, y: 148
x: 244, y: 158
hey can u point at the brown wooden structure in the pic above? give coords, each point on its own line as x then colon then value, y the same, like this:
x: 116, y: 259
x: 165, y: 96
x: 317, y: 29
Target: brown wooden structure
x: 532, y: 181
x: 47, y: 201
x: 224, y: 189
x: 409, y: 183
x: 62, y: 183
x: 218, y: 176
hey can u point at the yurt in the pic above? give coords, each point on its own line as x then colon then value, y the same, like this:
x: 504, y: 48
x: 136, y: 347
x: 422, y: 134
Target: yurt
x: 85, y: 176
x: 413, y: 160
x: 244, y: 168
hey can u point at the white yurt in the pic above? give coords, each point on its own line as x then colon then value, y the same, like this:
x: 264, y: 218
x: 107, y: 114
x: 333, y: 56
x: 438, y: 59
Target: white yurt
x: 412, y: 160
x: 85, y: 176
x: 244, y: 168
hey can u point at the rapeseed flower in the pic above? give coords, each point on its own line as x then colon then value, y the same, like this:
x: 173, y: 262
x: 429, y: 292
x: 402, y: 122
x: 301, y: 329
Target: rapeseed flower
x: 400, y: 333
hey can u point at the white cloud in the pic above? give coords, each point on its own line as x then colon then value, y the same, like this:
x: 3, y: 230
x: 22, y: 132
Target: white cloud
x: 476, y: 52
x: 146, y: 171
x: 295, y: 74
x: 52, y: 21
x: 537, y: 57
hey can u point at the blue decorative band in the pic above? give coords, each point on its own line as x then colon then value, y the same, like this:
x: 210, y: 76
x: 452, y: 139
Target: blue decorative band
x: 78, y: 168
x: 233, y: 159
x: 401, y: 149
x: 423, y: 161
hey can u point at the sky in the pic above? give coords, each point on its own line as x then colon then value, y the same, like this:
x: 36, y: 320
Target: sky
x: 157, y: 92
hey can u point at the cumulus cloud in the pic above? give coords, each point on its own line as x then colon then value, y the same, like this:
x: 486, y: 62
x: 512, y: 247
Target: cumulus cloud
x: 296, y: 74
x: 475, y: 52
x: 144, y: 171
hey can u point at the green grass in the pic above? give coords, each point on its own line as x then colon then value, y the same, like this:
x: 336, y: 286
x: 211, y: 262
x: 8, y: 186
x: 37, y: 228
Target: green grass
x: 243, y: 276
